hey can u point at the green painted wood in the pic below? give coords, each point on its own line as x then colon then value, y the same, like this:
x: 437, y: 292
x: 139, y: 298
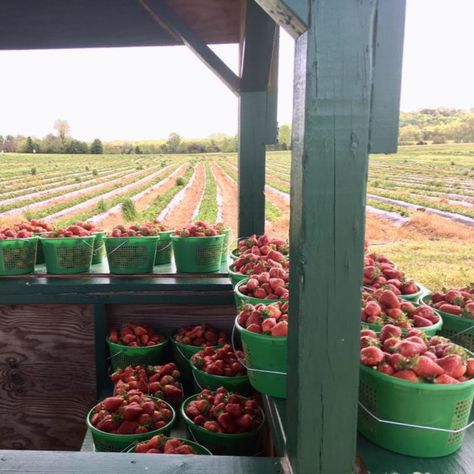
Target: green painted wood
x: 167, y: 19
x: 329, y: 172
x: 272, y: 94
x: 379, y: 460
x: 292, y: 15
x: 49, y: 462
x: 275, y: 412
x: 387, y: 76
x: 261, y: 32
x: 252, y: 135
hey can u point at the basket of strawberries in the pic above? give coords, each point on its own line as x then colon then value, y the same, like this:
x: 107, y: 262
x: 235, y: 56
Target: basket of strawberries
x: 17, y: 251
x: 198, y: 248
x: 161, y: 444
x: 68, y: 250
x: 132, y: 250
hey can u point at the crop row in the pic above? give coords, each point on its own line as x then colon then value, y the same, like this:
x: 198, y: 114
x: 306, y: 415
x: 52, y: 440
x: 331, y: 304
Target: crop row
x: 208, y: 205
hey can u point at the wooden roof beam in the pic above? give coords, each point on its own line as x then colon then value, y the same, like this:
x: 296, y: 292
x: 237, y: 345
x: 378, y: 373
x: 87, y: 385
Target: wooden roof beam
x: 168, y: 20
x: 292, y: 15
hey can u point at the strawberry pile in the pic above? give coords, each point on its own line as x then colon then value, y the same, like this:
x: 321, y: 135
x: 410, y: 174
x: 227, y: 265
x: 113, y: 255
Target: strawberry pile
x: 134, y: 335
x: 262, y: 319
x: 415, y: 357
x: 36, y: 226
x: 249, y: 264
x: 199, y: 229
x: 385, y: 307
x: 222, y: 361
x: 262, y: 245
x: 160, y: 381
x: 71, y: 231
x: 131, y: 414
x: 224, y: 412
x: 200, y: 335
x: 380, y: 272
x: 161, y: 444
x: 14, y: 233
x: 145, y: 230
x: 458, y: 302
x: 87, y: 226
x: 159, y: 227
x: 264, y: 287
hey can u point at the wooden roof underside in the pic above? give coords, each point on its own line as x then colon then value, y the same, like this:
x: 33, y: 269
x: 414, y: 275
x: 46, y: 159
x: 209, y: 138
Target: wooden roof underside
x: 48, y: 24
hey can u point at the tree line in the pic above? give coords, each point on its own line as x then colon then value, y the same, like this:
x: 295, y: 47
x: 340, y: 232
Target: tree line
x: 436, y: 126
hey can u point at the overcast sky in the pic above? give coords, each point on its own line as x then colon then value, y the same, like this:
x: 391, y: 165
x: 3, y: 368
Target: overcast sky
x: 146, y: 93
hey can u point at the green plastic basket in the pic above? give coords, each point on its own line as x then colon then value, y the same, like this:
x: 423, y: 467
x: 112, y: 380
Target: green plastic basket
x: 235, y: 277
x: 428, y: 330
x: 198, y: 449
x: 18, y: 256
x: 431, y: 405
x: 68, y: 255
x: 197, y: 254
x: 460, y: 330
x: 241, y: 299
x: 129, y: 255
x: 268, y: 355
x: 164, y: 249
x: 239, y: 384
x: 123, y: 356
x: 110, y: 442
x: 413, y: 297
x: 234, y: 255
x: 240, y: 444
x: 225, y: 245
x: 99, y: 248
x: 39, y: 249
x: 182, y: 354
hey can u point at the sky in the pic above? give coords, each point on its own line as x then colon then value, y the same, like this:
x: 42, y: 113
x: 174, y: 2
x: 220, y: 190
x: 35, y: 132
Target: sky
x: 147, y: 93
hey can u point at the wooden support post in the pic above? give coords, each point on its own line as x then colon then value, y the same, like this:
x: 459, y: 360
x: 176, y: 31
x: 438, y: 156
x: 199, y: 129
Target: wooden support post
x: 333, y: 71
x: 292, y: 15
x: 257, y: 115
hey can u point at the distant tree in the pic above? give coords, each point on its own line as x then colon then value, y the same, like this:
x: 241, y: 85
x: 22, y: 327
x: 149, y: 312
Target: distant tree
x: 138, y: 150
x: 29, y: 146
x: 76, y: 147
x: 173, y: 143
x: 97, y: 147
x: 284, y: 136
x: 63, y: 129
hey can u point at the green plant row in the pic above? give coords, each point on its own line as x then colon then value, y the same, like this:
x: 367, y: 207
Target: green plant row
x: 389, y: 207
x: 208, y: 207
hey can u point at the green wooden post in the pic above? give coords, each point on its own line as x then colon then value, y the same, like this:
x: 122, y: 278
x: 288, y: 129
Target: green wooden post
x: 333, y: 70
x: 257, y: 116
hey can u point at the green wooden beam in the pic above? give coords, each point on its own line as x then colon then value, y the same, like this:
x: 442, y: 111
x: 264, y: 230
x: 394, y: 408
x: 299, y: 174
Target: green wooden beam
x: 329, y: 172
x: 166, y: 18
x: 292, y: 15
x: 252, y: 136
x: 388, y: 54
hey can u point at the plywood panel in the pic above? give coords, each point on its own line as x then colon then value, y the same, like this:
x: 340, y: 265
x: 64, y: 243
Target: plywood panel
x: 47, y: 375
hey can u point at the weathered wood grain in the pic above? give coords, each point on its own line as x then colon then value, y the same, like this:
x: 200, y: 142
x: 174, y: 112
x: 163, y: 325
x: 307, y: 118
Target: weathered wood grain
x: 47, y: 375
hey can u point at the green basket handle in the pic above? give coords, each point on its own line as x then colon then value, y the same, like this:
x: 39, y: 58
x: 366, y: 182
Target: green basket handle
x: 243, y: 362
x: 409, y: 425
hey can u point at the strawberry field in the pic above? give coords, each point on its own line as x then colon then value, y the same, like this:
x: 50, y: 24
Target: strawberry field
x: 420, y: 202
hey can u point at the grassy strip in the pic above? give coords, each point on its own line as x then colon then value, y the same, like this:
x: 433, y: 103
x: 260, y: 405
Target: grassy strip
x: 272, y: 212
x: 434, y: 263
x: 424, y: 202
x: 108, y: 203
x: 230, y: 171
x: 278, y: 185
x: 208, y: 207
x: 153, y: 210
x: 389, y: 207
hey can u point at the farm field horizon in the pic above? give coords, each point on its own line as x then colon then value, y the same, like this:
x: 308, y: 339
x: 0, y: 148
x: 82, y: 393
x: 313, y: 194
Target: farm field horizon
x: 420, y: 201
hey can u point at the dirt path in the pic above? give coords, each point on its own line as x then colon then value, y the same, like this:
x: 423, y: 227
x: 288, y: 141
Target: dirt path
x: 229, y: 197
x: 183, y: 212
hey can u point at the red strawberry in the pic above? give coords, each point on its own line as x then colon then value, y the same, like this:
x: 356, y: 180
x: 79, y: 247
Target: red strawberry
x: 453, y: 365
x: 389, y: 331
x: 368, y: 332
x: 371, y: 356
x: 372, y: 308
x: 385, y: 368
x: 445, y: 379
x: 406, y: 375
x: 470, y: 367
x: 112, y: 403
x: 426, y: 367
x: 389, y: 299
x: 409, y: 348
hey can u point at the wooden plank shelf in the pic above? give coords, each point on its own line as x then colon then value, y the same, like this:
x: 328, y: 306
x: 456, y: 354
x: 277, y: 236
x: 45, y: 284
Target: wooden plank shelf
x: 51, y: 462
x: 376, y: 460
